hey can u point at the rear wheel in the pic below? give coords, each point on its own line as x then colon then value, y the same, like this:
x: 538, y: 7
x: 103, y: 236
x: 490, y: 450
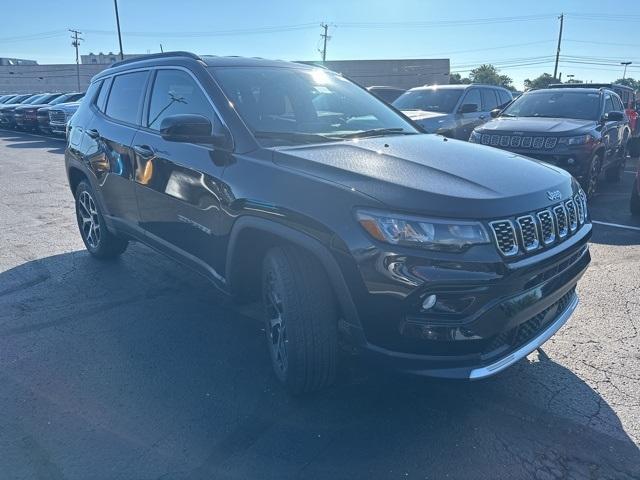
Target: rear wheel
x: 301, y: 320
x: 634, y: 204
x: 99, y: 241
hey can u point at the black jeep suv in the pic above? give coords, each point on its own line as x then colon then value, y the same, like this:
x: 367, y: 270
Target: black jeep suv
x: 437, y: 256
x: 583, y: 130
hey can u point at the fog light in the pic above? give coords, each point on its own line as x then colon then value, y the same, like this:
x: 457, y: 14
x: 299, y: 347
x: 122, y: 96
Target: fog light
x: 429, y: 302
x: 571, y: 160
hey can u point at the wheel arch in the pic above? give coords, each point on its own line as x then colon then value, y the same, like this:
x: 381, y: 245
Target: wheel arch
x: 251, y: 237
x: 75, y: 176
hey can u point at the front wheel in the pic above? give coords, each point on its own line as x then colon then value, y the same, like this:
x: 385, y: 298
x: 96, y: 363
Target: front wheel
x: 634, y: 204
x: 301, y: 319
x: 97, y: 239
x: 590, y: 182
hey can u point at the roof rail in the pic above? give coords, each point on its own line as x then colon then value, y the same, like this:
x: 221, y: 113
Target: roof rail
x: 153, y: 56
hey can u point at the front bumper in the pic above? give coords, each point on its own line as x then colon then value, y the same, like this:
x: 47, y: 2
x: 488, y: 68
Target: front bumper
x: 58, y: 128
x: 514, y: 308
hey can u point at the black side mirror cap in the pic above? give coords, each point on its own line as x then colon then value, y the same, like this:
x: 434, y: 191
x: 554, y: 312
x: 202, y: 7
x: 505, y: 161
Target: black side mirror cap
x: 495, y: 113
x: 191, y: 128
x: 468, y: 108
x: 613, y: 117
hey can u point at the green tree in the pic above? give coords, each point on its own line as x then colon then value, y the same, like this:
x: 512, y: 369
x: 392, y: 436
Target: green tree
x: 488, y: 74
x: 456, y: 79
x: 542, y: 81
x: 629, y: 82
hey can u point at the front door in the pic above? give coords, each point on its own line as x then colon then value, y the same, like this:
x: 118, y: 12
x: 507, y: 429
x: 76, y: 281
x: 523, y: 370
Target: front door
x: 178, y: 184
x: 470, y: 119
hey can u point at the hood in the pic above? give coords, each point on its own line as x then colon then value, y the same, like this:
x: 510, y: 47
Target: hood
x: 432, y: 175
x: 67, y: 107
x: 34, y: 106
x: 417, y: 115
x: 10, y: 106
x: 538, y: 125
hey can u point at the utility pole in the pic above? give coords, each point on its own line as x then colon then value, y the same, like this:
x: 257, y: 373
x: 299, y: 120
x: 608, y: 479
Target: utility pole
x: 325, y: 37
x: 555, y: 70
x: 115, y: 3
x: 76, y: 43
x: 626, y: 64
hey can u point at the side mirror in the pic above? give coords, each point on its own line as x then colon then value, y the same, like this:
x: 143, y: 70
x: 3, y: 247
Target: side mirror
x: 468, y: 108
x: 613, y: 117
x: 191, y: 128
x: 495, y: 112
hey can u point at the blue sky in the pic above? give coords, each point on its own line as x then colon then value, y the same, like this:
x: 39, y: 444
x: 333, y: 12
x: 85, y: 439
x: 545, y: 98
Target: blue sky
x: 358, y: 28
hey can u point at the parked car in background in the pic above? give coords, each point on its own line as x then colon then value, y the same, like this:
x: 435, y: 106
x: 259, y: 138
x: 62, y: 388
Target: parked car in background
x: 59, y: 117
x: 452, y: 110
x: 349, y: 225
x: 25, y: 116
x: 386, y: 94
x: 583, y: 130
x: 6, y: 98
x: 42, y: 114
x: 7, y: 112
x: 634, y: 203
x: 626, y: 94
x: 13, y: 102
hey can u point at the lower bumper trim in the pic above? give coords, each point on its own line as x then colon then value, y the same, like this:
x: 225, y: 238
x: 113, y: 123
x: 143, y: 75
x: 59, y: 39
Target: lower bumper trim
x: 527, y: 348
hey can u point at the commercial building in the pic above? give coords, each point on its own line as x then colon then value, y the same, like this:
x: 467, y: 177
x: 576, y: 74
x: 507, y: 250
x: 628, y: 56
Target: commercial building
x: 393, y: 73
x: 16, y: 61
x: 104, y: 58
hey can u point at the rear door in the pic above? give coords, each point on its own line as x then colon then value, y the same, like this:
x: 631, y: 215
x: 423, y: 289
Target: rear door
x: 107, y: 144
x: 178, y: 184
x: 611, y: 129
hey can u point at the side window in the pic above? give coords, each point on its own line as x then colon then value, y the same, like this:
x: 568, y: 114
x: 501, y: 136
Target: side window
x: 473, y: 97
x: 101, y: 101
x: 176, y: 92
x: 125, y: 97
x: 91, y: 91
x: 504, y: 98
x: 608, y: 104
x: 489, y: 99
x: 618, y: 104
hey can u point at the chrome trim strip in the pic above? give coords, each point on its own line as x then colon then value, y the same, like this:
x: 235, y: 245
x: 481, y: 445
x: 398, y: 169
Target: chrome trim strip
x: 527, y: 348
x: 535, y: 244
x: 553, y: 226
x: 515, y: 249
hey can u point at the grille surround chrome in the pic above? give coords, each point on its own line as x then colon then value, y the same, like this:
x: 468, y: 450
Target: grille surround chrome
x: 528, y: 230
x: 543, y: 217
x: 572, y: 215
x: 494, y: 226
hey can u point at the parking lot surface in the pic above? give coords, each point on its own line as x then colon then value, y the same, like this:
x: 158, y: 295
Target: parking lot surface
x: 139, y: 369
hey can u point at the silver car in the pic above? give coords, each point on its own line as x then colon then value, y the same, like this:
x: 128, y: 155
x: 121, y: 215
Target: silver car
x: 452, y: 110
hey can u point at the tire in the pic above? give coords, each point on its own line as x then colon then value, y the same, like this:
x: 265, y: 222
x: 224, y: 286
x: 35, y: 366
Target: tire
x: 590, y: 182
x: 97, y: 239
x: 634, y: 204
x: 301, y: 320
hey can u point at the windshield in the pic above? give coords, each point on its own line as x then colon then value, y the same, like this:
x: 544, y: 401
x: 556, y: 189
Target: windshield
x: 284, y: 106
x: 67, y: 97
x: 580, y: 105
x: 441, y: 100
x: 34, y: 99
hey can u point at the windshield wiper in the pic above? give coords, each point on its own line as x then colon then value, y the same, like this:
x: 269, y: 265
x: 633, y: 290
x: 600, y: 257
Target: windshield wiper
x: 294, y: 136
x: 376, y: 132
x: 506, y: 115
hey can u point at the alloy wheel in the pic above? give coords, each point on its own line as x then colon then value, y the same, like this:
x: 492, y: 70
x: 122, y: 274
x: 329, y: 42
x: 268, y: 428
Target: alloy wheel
x: 276, y: 325
x: 88, y: 219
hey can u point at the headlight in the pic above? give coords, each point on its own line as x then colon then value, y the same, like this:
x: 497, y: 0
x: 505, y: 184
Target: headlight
x: 475, y: 137
x: 579, y: 140
x: 429, y: 233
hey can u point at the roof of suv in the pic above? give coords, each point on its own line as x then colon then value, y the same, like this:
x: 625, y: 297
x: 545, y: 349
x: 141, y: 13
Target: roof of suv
x: 457, y: 86
x: 591, y: 85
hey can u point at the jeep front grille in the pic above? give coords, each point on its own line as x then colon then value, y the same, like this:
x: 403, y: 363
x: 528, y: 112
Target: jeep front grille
x: 519, y: 141
x: 57, y: 116
x: 537, y: 230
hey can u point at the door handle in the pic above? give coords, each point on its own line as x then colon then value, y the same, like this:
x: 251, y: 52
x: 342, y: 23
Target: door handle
x: 93, y: 133
x: 144, y: 151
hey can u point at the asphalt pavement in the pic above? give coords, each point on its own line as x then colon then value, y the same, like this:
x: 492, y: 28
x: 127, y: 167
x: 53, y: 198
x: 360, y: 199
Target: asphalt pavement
x: 139, y: 369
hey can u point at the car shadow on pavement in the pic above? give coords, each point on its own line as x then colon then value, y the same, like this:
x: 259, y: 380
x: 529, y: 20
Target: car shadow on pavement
x: 139, y: 369
x: 27, y: 141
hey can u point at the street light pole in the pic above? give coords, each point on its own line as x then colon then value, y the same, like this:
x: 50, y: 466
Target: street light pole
x: 626, y: 64
x: 115, y: 3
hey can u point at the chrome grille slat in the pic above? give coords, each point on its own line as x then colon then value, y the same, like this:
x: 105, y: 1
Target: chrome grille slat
x: 538, y: 142
x: 528, y: 232
x: 505, y: 236
x: 547, y: 227
x: 57, y: 116
x: 562, y: 223
x: 571, y: 213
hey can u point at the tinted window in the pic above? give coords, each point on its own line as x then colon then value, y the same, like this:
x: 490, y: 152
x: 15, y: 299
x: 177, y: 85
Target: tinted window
x: 175, y: 92
x: 101, y: 101
x: 489, y: 99
x: 617, y: 104
x: 504, y: 98
x: 442, y: 100
x: 473, y: 97
x: 302, y: 105
x: 555, y: 104
x: 125, y: 96
x: 608, y: 104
